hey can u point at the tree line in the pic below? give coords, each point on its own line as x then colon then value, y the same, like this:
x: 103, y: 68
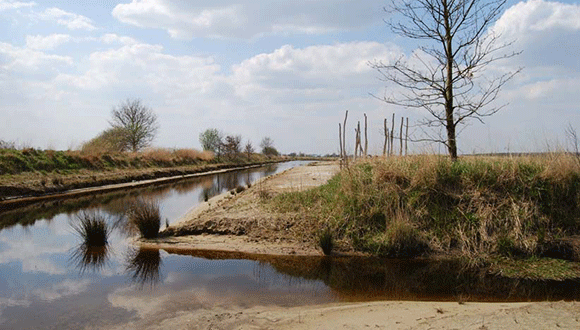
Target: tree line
x: 230, y: 146
x: 133, y: 126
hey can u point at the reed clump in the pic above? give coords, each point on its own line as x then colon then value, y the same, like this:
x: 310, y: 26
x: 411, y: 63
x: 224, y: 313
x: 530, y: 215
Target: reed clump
x: 145, y: 216
x: 476, y: 206
x: 92, y: 228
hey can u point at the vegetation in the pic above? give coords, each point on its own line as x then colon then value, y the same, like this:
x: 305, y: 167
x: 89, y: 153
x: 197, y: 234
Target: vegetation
x: 145, y: 217
x: 137, y: 122
x: 447, y: 76
x: 268, y: 149
x: 14, y: 161
x: 92, y: 228
x: 112, y: 140
x: 477, y: 207
x: 211, y: 140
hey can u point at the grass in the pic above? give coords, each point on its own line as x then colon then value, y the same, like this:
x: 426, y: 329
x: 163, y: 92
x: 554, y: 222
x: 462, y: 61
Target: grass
x: 92, y: 228
x: 92, y: 253
x: 477, y: 207
x: 15, y: 161
x: 144, y: 215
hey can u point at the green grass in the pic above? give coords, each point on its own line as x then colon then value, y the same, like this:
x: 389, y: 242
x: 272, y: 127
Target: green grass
x: 535, y: 268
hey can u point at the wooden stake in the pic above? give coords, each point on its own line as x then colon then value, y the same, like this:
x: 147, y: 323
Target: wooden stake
x: 406, y: 137
x: 340, y: 143
x: 401, y: 136
x: 344, y: 139
x: 386, y: 132
x: 366, y: 137
x: 392, y: 134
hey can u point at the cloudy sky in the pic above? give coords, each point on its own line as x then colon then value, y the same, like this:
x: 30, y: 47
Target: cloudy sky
x: 284, y: 69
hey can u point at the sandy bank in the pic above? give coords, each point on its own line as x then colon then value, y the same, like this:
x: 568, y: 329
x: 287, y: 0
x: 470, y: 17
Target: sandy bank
x: 376, y: 315
x: 240, y: 223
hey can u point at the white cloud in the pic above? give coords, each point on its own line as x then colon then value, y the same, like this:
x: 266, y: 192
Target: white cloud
x: 71, y: 20
x: 6, y: 5
x: 147, y: 66
x: 227, y: 18
x: 29, y: 59
x: 111, y: 38
x: 49, y: 42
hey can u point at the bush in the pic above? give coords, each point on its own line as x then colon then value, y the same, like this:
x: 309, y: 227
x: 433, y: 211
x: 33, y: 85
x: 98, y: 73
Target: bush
x: 145, y: 217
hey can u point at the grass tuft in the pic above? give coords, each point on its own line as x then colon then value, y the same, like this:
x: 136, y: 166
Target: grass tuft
x: 145, y: 216
x: 92, y: 228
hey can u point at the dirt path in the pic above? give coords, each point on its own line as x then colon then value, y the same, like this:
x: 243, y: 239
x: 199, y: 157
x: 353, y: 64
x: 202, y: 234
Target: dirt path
x: 241, y: 223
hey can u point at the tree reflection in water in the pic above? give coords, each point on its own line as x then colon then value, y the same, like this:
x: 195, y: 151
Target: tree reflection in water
x: 143, y: 265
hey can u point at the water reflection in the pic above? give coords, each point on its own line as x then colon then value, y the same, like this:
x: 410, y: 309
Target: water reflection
x: 185, y: 193
x: 364, y: 278
x: 143, y: 266
x: 86, y: 257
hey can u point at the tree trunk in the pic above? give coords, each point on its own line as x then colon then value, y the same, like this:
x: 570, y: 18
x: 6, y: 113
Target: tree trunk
x: 449, y: 120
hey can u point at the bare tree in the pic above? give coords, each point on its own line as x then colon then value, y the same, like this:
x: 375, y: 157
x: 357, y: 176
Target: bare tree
x: 446, y: 76
x: 249, y: 149
x: 137, y: 120
x: 232, y: 146
x: 573, y: 140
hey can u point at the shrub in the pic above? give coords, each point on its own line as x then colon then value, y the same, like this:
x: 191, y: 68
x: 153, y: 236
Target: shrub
x: 145, y: 217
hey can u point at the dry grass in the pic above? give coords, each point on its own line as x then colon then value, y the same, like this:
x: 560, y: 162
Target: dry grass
x: 14, y: 161
x: 477, y: 206
x: 145, y: 216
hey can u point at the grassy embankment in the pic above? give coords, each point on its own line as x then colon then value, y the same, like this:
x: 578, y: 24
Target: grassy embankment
x: 519, y: 216
x: 30, y: 171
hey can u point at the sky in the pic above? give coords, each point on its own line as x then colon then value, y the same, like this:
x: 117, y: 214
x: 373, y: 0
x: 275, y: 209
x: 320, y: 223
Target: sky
x: 283, y: 69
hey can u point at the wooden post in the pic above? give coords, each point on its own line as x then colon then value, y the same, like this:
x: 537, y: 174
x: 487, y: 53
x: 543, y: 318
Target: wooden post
x: 406, y: 137
x: 366, y: 137
x: 392, y: 134
x: 386, y: 132
x: 344, y: 139
x: 340, y: 143
x: 401, y: 137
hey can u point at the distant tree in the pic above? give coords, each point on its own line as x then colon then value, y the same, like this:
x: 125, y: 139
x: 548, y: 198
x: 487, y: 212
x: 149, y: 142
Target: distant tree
x: 446, y: 76
x: 138, y: 122
x: 232, y: 146
x: 249, y: 149
x: 270, y: 151
x: 211, y: 140
x: 110, y: 140
x: 267, y: 144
